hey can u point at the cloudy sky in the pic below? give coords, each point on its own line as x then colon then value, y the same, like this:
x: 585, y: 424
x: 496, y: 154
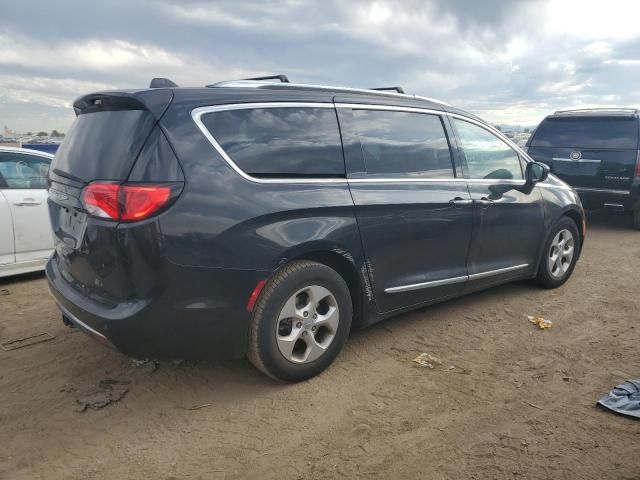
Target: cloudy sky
x: 508, y: 61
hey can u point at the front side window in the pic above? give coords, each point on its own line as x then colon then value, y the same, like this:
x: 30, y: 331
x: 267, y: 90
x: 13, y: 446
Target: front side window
x: 403, y: 144
x: 280, y: 142
x: 23, y: 171
x: 487, y: 156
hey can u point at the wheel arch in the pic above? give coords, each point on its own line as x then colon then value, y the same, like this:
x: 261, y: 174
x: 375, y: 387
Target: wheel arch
x: 343, y: 263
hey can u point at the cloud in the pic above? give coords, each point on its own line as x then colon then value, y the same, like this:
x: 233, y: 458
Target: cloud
x: 506, y: 61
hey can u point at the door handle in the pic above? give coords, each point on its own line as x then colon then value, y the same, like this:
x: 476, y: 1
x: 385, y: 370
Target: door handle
x: 460, y: 202
x: 484, y: 202
x: 27, y: 203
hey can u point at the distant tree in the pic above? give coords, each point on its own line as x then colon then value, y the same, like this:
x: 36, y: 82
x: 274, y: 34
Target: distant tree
x: 30, y: 133
x: 42, y: 134
x: 526, y: 130
x: 498, y: 128
x: 55, y: 134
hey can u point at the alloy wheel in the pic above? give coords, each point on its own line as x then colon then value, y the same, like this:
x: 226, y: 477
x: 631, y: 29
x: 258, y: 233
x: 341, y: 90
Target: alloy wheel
x: 307, y: 324
x: 561, y: 253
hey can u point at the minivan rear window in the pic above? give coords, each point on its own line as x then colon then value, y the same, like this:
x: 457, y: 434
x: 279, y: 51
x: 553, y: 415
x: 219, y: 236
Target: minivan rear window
x: 103, y: 145
x: 280, y: 141
x: 587, y: 132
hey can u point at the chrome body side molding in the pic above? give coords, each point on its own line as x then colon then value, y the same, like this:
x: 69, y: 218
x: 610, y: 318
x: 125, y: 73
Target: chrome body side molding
x: 449, y: 281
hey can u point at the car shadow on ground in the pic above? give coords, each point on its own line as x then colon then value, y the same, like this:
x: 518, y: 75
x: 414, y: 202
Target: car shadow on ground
x: 606, y: 220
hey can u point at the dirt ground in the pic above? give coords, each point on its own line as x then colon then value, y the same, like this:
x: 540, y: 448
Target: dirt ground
x: 520, y: 402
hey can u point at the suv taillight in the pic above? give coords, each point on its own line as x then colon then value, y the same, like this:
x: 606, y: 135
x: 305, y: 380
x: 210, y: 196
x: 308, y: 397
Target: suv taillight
x: 126, y: 202
x: 638, y: 165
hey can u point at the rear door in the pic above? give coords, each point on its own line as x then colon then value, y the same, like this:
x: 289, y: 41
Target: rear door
x: 25, y: 178
x: 413, y: 213
x: 589, y: 151
x: 508, y: 219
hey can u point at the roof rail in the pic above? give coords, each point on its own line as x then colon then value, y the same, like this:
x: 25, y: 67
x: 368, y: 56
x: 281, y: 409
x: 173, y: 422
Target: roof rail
x: 160, y: 82
x: 388, y: 89
x: 281, y: 77
x: 600, y: 109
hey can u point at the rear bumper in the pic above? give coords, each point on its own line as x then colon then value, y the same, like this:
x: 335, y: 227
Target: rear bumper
x: 597, y: 198
x: 196, y: 313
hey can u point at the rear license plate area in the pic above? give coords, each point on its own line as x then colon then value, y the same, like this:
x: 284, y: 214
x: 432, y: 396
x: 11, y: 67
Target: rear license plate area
x: 71, y: 226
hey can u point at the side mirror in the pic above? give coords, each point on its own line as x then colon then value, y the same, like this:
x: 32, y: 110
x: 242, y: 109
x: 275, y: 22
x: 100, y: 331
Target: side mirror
x: 536, y: 172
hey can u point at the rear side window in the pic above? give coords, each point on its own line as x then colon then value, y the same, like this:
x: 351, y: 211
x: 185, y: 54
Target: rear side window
x: 403, y: 144
x: 280, y: 142
x: 103, y: 145
x: 587, y: 132
x: 23, y: 171
x: 486, y: 155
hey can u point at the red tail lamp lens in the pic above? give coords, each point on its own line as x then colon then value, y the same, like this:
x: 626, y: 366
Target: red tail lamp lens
x: 140, y: 202
x: 125, y: 202
x: 101, y: 200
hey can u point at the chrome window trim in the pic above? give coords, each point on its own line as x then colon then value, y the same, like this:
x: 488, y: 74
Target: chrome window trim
x: 197, y: 113
x: 581, y: 160
x: 452, y: 280
x: 26, y: 151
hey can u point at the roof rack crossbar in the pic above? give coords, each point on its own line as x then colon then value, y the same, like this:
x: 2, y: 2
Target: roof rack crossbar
x: 598, y: 109
x: 281, y: 77
x: 388, y: 89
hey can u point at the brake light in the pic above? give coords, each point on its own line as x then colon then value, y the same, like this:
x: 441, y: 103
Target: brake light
x: 638, y: 165
x: 127, y: 203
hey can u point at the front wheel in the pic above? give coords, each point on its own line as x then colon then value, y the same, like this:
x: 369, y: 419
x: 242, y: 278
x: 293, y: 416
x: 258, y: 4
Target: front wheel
x: 300, y: 322
x: 560, y: 254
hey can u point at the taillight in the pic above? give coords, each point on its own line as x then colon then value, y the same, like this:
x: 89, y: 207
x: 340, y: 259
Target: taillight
x: 638, y: 165
x: 126, y: 202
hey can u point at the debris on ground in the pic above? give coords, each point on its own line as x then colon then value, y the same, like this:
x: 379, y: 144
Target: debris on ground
x: 624, y: 399
x: 27, y: 341
x: 426, y: 360
x: 5, y: 291
x: 108, y: 391
x: 146, y: 365
x: 540, y: 322
x: 198, y: 407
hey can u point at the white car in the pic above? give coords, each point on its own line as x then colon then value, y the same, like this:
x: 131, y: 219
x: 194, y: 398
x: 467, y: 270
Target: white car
x: 26, y: 241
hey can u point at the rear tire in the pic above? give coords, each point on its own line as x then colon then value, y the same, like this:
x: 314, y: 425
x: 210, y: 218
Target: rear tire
x: 560, y: 254
x: 636, y: 219
x: 300, y: 322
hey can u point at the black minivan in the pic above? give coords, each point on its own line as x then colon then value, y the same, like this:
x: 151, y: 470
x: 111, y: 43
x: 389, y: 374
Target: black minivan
x: 269, y: 219
x: 596, y: 151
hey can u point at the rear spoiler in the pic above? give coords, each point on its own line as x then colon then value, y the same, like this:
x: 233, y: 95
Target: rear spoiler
x: 155, y: 101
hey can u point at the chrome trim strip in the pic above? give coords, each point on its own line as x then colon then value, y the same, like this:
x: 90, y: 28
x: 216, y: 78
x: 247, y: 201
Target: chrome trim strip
x: 448, y: 281
x: 477, y: 276
x: 392, y: 108
x: 74, y: 319
x: 581, y: 160
x: 197, y: 113
x: 420, y: 286
x: 602, y: 190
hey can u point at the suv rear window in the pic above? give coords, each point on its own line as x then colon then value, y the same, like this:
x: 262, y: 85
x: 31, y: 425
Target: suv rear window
x: 103, y: 145
x: 280, y: 142
x: 587, y: 132
x: 403, y: 144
